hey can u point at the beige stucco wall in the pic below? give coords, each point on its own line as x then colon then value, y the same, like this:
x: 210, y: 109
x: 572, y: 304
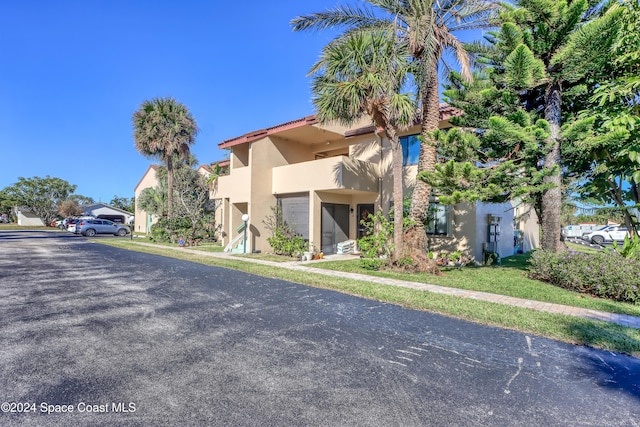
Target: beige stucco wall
x: 276, y: 166
x: 332, y: 173
x: 506, y: 212
x: 149, y: 180
x: 236, y: 185
x: 470, y: 230
x: 462, y: 232
x: 527, y: 222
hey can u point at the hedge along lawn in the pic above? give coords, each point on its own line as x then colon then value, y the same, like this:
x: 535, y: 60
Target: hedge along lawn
x: 565, y: 328
x: 508, y: 279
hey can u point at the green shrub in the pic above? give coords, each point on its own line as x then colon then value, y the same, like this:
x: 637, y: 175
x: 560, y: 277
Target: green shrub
x: 283, y: 240
x: 372, y: 263
x: 376, y: 247
x: 284, y: 243
x: 630, y: 247
x: 160, y: 232
x: 605, y: 275
x: 170, y: 230
x: 491, y: 258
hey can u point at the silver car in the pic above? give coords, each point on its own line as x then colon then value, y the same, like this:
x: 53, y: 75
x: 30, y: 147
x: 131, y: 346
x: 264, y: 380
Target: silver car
x: 91, y: 227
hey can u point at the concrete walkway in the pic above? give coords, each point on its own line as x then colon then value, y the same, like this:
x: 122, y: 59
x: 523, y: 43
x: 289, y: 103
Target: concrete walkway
x: 620, y: 319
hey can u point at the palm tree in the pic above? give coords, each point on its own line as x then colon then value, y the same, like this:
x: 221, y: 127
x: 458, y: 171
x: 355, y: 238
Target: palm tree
x: 163, y: 128
x: 360, y: 75
x: 153, y: 200
x: 427, y: 28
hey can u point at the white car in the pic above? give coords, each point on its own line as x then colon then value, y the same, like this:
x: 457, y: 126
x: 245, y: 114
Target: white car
x: 607, y: 234
x: 70, y: 223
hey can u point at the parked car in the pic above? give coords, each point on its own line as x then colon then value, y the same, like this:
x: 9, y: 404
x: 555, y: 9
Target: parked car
x: 579, y: 230
x: 607, y: 234
x: 91, y: 227
x: 70, y: 223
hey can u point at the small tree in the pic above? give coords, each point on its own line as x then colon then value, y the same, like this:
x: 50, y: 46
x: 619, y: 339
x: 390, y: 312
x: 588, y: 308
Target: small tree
x: 124, y: 203
x: 194, y: 212
x: 40, y: 195
x: 377, y: 245
x: 81, y: 200
x: 69, y: 208
x: 363, y: 74
x: 163, y: 128
x: 192, y: 203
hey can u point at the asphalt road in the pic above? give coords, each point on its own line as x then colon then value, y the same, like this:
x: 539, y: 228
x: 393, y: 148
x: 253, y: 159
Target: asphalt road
x: 124, y: 338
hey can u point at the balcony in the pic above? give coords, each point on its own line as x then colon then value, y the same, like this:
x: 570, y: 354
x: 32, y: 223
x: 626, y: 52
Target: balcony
x: 236, y: 185
x: 333, y: 173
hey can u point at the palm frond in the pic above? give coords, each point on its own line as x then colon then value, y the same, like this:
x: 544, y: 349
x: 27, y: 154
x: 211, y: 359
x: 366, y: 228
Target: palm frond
x: 340, y: 16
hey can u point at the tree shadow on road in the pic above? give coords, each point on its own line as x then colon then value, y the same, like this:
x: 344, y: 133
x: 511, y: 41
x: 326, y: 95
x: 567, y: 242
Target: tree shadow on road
x: 616, y: 371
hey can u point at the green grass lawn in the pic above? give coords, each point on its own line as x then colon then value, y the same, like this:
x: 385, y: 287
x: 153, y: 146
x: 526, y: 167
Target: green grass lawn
x: 506, y: 279
x: 14, y: 226
x: 267, y: 257
x: 580, y: 248
x: 202, y: 246
x: 208, y: 247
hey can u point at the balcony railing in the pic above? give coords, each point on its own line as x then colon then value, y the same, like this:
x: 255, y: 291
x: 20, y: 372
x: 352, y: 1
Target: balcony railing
x: 236, y: 185
x: 332, y: 173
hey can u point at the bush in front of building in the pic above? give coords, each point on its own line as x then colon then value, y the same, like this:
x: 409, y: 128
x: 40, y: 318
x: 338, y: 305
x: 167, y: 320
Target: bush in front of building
x: 286, y: 243
x: 376, y: 247
x: 171, y: 230
x: 604, y: 274
x: 284, y: 240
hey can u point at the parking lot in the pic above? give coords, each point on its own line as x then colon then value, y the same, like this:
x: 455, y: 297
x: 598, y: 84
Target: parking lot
x: 94, y: 335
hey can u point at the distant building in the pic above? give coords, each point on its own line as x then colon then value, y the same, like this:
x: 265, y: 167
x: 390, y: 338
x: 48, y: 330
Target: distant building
x: 104, y: 211
x: 28, y: 218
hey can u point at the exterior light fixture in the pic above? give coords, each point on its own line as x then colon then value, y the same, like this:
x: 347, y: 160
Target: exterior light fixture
x: 245, y: 218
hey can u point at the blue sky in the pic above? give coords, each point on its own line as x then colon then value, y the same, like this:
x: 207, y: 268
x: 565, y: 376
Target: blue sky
x: 73, y: 73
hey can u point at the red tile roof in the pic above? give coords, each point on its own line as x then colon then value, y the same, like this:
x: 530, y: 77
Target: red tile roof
x: 255, y: 135
x: 446, y: 112
x: 222, y: 163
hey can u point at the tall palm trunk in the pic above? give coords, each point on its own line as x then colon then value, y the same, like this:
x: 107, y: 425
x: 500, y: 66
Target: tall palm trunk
x: 416, y: 242
x: 419, y: 211
x: 398, y: 190
x: 552, y: 198
x: 169, y: 187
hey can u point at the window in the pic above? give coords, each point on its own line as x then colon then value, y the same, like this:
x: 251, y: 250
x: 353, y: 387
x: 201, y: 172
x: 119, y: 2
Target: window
x: 295, y: 212
x: 438, y: 222
x: 410, y: 149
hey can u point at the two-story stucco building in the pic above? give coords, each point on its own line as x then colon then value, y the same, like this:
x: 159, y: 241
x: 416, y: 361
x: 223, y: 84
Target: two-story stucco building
x: 327, y: 177
x: 143, y: 219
